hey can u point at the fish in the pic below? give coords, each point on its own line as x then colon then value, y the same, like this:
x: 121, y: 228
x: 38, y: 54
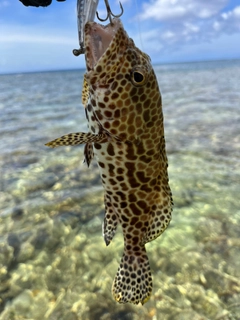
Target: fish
x: 123, y: 107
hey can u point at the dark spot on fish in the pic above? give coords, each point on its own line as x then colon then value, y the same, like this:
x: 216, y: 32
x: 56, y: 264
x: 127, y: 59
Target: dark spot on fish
x: 99, y: 115
x: 135, y: 99
x: 142, y: 204
x: 102, y: 75
x: 110, y: 150
x: 111, y: 168
x: 121, y: 195
x: 131, y: 130
x: 115, y: 95
x: 132, y: 198
x: 114, y: 217
x: 145, y: 188
x: 151, y: 152
x: 112, y: 182
x: 114, y: 85
x: 146, y: 115
x: 117, y: 113
x: 101, y: 164
x: 130, y: 155
x: 123, y: 186
x: 131, y: 167
x: 97, y: 145
x: 86, y: 113
x: 93, y: 80
x: 101, y: 105
x: 145, y: 159
x: 112, y: 106
x: 153, y: 182
x: 123, y: 204
x: 120, y: 178
x: 124, y: 218
x: 138, y: 225
x: 123, y: 82
x: 133, y: 92
x: 134, y: 220
x: 108, y: 114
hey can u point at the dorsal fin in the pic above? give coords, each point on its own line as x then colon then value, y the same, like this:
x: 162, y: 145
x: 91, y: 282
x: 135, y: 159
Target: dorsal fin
x: 85, y: 92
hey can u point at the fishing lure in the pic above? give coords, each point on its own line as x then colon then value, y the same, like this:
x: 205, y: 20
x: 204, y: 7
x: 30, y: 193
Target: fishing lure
x: 86, y: 10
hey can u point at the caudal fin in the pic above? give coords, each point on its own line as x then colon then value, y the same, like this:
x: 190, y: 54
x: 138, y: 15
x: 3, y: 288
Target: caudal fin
x: 133, y: 281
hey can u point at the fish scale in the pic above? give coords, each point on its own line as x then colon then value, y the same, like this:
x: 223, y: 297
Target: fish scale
x: 124, y: 112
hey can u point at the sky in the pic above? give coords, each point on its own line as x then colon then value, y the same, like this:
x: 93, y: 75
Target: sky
x: 170, y: 31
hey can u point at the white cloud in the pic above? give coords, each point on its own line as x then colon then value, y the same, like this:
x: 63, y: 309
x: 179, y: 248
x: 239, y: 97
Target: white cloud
x: 237, y: 11
x: 177, y: 23
x: 163, y: 10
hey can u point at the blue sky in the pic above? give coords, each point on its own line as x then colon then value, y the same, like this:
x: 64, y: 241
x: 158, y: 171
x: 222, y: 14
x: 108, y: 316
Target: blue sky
x: 37, y: 39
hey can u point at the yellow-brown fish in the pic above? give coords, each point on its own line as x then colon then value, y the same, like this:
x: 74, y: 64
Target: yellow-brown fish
x: 126, y: 134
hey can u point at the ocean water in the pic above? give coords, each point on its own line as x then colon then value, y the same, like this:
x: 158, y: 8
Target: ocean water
x: 53, y: 260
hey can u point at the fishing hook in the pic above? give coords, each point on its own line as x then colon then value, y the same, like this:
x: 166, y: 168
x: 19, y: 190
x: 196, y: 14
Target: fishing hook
x: 109, y: 12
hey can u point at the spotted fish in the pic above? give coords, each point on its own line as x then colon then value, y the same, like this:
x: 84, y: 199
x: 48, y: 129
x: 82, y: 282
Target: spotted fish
x: 126, y: 134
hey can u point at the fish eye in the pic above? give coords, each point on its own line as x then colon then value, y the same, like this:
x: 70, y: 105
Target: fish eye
x: 138, y: 77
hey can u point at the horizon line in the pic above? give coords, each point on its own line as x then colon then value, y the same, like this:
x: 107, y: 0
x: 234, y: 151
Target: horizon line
x: 83, y: 69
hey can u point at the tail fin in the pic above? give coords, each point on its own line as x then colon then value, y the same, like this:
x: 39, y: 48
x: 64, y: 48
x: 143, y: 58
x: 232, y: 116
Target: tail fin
x: 133, y: 281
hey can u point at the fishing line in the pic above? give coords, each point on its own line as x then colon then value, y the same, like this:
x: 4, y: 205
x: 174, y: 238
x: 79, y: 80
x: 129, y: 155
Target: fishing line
x: 139, y: 25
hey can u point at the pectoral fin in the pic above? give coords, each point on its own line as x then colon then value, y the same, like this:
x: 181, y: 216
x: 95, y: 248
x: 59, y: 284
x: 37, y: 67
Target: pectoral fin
x: 73, y: 139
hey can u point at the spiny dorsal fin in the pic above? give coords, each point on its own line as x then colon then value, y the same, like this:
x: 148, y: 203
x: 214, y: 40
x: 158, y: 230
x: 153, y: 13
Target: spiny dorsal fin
x: 85, y: 92
x: 73, y: 139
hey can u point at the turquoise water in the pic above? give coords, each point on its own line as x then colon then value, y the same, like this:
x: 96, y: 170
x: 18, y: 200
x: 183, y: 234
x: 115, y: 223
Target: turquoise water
x: 53, y: 260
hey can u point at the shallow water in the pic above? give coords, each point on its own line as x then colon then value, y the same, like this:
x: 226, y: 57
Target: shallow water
x: 53, y: 260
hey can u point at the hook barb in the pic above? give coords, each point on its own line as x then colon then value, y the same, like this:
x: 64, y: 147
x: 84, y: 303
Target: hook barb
x: 109, y: 12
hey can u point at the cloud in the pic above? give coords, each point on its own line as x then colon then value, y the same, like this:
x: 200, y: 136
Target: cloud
x: 165, y: 10
x: 182, y: 22
x: 228, y: 22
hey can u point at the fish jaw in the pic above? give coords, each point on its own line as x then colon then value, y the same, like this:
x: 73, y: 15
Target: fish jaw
x: 97, y: 41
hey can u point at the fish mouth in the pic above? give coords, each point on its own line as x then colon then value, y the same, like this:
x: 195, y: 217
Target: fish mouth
x: 97, y: 40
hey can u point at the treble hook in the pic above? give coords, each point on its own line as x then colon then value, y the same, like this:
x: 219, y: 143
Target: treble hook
x: 109, y: 12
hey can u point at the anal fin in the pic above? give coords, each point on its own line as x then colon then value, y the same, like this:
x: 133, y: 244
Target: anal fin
x: 110, y: 221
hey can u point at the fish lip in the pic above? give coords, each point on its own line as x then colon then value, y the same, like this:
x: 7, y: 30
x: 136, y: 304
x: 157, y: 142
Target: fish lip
x: 98, y: 39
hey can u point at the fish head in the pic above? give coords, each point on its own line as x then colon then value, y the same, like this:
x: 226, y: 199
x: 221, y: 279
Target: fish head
x: 120, y: 79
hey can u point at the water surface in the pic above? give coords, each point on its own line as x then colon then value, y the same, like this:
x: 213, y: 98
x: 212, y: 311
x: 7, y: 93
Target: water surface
x: 53, y: 260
